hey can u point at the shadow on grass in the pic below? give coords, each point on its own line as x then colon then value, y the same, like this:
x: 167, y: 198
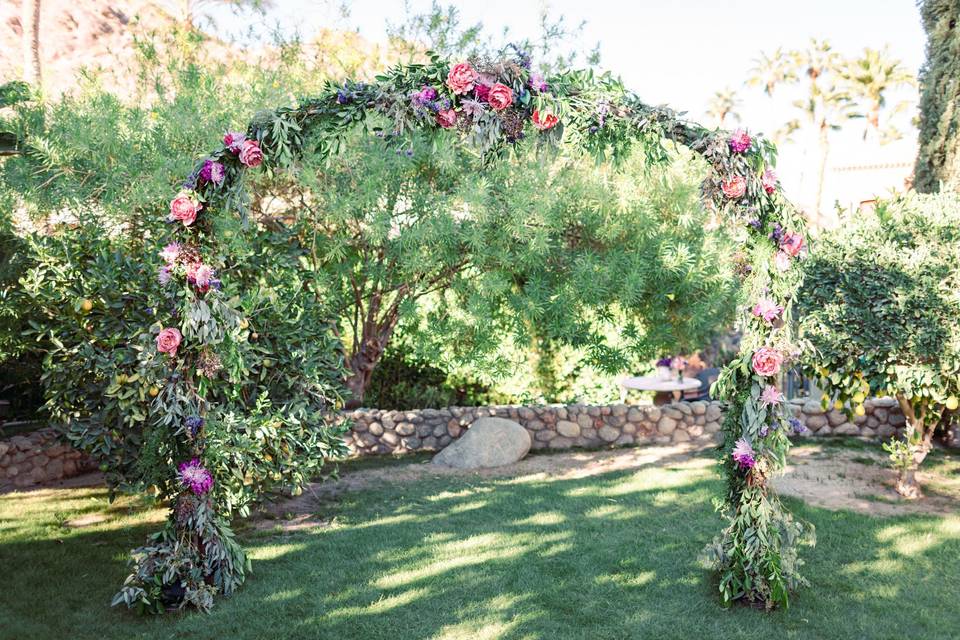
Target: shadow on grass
x: 608, y: 556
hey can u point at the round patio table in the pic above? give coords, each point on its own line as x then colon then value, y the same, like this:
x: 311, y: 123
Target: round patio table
x: 665, y: 389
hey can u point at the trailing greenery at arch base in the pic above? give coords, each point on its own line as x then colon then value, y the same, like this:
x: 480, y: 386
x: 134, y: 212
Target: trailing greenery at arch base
x: 199, y: 343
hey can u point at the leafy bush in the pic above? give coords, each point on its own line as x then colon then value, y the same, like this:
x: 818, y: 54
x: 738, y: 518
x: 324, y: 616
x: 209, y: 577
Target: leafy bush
x: 880, y: 306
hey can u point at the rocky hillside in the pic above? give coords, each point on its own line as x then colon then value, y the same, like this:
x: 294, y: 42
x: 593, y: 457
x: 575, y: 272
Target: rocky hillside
x: 79, y: 34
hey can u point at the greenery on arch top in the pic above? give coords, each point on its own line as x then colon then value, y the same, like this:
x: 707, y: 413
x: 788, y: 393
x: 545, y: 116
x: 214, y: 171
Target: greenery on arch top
x: 491, y: 105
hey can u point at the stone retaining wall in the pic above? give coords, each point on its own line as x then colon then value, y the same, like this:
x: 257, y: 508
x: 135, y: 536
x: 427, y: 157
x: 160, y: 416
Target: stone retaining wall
x: 378, y: 431
x: 38, y: 457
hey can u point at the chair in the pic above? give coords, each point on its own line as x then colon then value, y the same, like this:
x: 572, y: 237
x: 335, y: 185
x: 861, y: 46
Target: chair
x: 706, y: 377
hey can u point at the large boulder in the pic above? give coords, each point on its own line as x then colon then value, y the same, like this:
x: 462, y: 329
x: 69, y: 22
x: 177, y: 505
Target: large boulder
x: 489, y: 442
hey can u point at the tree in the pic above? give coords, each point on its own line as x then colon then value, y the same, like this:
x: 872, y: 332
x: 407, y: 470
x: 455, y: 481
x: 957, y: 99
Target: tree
x: 879, y: 305
x: 870, y: 79
x: 505, y: 251
x: 938, y: 161
x: 30, y: 22
x: 723, y: 105
x: 825, y: 103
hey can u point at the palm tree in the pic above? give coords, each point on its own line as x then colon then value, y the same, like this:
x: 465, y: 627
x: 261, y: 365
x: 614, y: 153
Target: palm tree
x: 825, y: 101
x: 30, y: 21
x: 772, y: 71
x: 869, y: 79
x: 723, y: 105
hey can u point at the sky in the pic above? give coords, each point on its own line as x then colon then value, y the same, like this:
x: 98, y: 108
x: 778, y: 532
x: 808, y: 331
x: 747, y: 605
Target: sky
x: 680, y: 52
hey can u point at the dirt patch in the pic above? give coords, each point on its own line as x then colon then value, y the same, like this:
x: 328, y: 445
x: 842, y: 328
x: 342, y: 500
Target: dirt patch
x: 858, y: 480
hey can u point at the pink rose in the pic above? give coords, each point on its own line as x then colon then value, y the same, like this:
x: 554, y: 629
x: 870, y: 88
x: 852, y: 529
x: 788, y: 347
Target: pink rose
x: 769, y: 181
x: 782, y: 260
x: 250, y: 153
x: 168, y: 341
x: 544, y: 121
x: 792, y: 243
x: 771, y: 395
x: 447, y: 118
x: 501, y: 97
x: 461, y: 78
x: 767, y: 361
x: 185, y: 207
x: 735, y: 187
x: 767, y: 309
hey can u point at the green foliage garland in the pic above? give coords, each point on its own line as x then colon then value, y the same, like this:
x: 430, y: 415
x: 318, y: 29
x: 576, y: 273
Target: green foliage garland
x: 491, y: 104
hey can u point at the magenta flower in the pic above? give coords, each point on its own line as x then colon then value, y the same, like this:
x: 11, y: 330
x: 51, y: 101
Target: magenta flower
x: 767, y: 310
x: 195, y: 476
x: 233, y: 140
x: 739, y: 141
x: 538, y: 83
x: 743, y: 454
x: 212, y: 171
x: 771, y: 395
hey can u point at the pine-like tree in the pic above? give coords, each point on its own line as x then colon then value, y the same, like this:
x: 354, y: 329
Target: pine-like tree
x: 938, y: 162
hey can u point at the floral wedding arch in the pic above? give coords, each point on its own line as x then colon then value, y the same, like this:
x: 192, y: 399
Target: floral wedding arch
x: 492, y: 104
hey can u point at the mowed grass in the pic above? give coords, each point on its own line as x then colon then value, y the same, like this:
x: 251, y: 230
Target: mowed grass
x: 608, y: 556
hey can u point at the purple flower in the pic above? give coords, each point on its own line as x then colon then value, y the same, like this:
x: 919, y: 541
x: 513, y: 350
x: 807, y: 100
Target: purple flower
x: 777, y: 234
x: 797, y: 426
x: 472, y: 108
x: 193, y: 424
x: 164, y: 275
x: 743, y: 454
x: 755, y: 224
x: 664, y: 362
x: 212, y: 171
x: 233, y: 140
x: 195, y: 476
x: 764, y: 430
x: 538, y: 83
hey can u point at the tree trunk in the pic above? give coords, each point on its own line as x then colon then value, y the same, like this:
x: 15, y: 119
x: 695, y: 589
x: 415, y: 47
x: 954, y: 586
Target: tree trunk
x: 822, y: 170
x: 30, y: 21
x: 368, y: 347
x: 917, y: 429
x: 938, y: 161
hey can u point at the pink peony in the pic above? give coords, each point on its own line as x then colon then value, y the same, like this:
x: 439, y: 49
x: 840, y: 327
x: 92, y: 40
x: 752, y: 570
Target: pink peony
x: 168, y: 341
x: 544, y: 121
x: 446, y: 118
x: 769, y: 180
x: 735, y: 187
x: 739, y: 141
x: 771, y: 395
x: 233, y: 140
x: 461, y: 78
x: 170, y: 253
x: 766, y: 361
x: 767, y: 309
x: 501, y: 97
x: 200, y: 274
x: 185, y: 207
x: 782, y: 260
x: 792, y: 243
x: 250, y: 153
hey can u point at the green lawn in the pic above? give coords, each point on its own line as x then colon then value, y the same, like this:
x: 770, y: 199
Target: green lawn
x: 610, y: 556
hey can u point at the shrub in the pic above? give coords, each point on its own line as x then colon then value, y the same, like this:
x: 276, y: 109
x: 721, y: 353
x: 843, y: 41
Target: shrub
x: 880, y: 306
